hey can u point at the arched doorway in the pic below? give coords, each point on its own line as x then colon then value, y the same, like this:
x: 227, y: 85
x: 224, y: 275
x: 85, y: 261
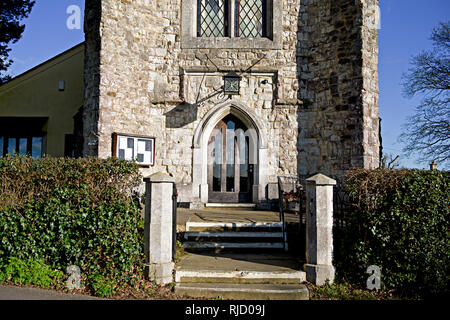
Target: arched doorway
x: 231, y: 162
x: 243, y: 117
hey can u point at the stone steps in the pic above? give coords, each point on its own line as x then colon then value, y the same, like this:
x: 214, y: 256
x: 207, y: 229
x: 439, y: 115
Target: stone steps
x: 233, y: 245
x: 231, y: 205
x: 270, y: 274
x: 198, y: 235
x: 234, y: 226
x: 240, y: 277
x: 244, y: 291
x: 234, y: 236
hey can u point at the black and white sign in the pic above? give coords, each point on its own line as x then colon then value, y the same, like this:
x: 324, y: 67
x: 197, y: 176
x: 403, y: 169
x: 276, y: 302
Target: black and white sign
x: 140, y: 149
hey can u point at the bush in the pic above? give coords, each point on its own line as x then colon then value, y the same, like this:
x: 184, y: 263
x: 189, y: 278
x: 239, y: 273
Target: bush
x: 34, y: 272
x: 102, y: 286
x: 71, y: 212
x: 399, y: 220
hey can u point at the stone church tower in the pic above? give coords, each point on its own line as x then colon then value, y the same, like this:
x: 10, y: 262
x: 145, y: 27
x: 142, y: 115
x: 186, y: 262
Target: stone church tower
x: 307, y: 100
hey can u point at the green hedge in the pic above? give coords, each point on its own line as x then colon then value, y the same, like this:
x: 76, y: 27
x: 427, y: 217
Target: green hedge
x: 71, y: 212
x: 398, y: 220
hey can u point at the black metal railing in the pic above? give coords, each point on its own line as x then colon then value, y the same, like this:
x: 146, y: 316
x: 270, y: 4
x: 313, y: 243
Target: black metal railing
x: 174, y: 222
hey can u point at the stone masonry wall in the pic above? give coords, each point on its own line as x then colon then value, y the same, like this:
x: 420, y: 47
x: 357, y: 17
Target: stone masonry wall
x: 139, y: 80
x: 149, y: 85
x: 337, y: 57
x: 91, y: 78
x: 369, y: 34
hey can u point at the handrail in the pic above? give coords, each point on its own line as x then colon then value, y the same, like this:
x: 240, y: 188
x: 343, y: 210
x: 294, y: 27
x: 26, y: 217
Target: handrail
x: 294, y: 184
x: 281, y: 190
x: 280, y: 201
x: 174, y: 221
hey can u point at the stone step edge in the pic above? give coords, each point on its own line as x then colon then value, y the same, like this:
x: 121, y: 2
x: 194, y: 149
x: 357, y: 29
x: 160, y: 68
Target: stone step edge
x: 191, y: 224
x: 230, y: 205
x: 232, y: 234
x: 244, y: 291
x: 269, y: 275
x: 232, y: 245
x: 240, y: 288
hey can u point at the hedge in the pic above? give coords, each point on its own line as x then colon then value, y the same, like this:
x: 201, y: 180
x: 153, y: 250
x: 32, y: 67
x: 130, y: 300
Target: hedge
x: 399, y: 221
x: 71, y: 212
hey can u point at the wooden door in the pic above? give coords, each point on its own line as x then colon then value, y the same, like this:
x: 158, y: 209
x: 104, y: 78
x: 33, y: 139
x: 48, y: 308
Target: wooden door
x: 230, y: 175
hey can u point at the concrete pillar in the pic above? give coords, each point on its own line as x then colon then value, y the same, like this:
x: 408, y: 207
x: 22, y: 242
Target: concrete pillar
x: 319, y: 229
x: 158, y: 229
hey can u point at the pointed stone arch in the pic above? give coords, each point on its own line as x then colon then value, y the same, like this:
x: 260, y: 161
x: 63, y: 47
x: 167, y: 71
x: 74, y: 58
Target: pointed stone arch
x: 200, y: 141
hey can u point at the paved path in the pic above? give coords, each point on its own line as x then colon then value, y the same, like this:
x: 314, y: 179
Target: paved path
x: 18, y: 293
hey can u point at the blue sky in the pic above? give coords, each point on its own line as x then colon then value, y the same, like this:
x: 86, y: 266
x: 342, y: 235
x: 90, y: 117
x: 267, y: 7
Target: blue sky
x: 406, y: 26
x: 46, y: 34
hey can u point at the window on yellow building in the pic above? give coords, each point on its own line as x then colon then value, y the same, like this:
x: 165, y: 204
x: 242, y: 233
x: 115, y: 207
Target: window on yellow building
x: 23, y: 136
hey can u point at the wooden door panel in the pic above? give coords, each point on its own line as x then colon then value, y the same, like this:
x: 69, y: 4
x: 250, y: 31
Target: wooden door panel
x: 232, y: 188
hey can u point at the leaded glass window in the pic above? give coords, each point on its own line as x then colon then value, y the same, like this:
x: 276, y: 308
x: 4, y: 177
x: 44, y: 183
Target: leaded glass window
x: 250, y: 18
x: 235, y: 18
x: 212, y: 18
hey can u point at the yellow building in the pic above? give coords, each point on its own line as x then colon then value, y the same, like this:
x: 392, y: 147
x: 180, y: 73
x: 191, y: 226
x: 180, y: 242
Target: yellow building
x: 38, y: 107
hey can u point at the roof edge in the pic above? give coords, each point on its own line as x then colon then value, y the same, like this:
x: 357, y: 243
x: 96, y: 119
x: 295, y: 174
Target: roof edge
x: 41, y: 64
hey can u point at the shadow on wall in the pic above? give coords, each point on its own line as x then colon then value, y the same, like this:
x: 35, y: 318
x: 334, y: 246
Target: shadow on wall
x: 182, y: 115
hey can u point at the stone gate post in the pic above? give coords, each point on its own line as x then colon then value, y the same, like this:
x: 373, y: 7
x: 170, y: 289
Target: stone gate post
x: 158, y: 229
x: 319, y: 229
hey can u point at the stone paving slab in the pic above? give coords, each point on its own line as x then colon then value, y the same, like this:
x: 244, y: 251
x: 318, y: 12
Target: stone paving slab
x: 272, y: 262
